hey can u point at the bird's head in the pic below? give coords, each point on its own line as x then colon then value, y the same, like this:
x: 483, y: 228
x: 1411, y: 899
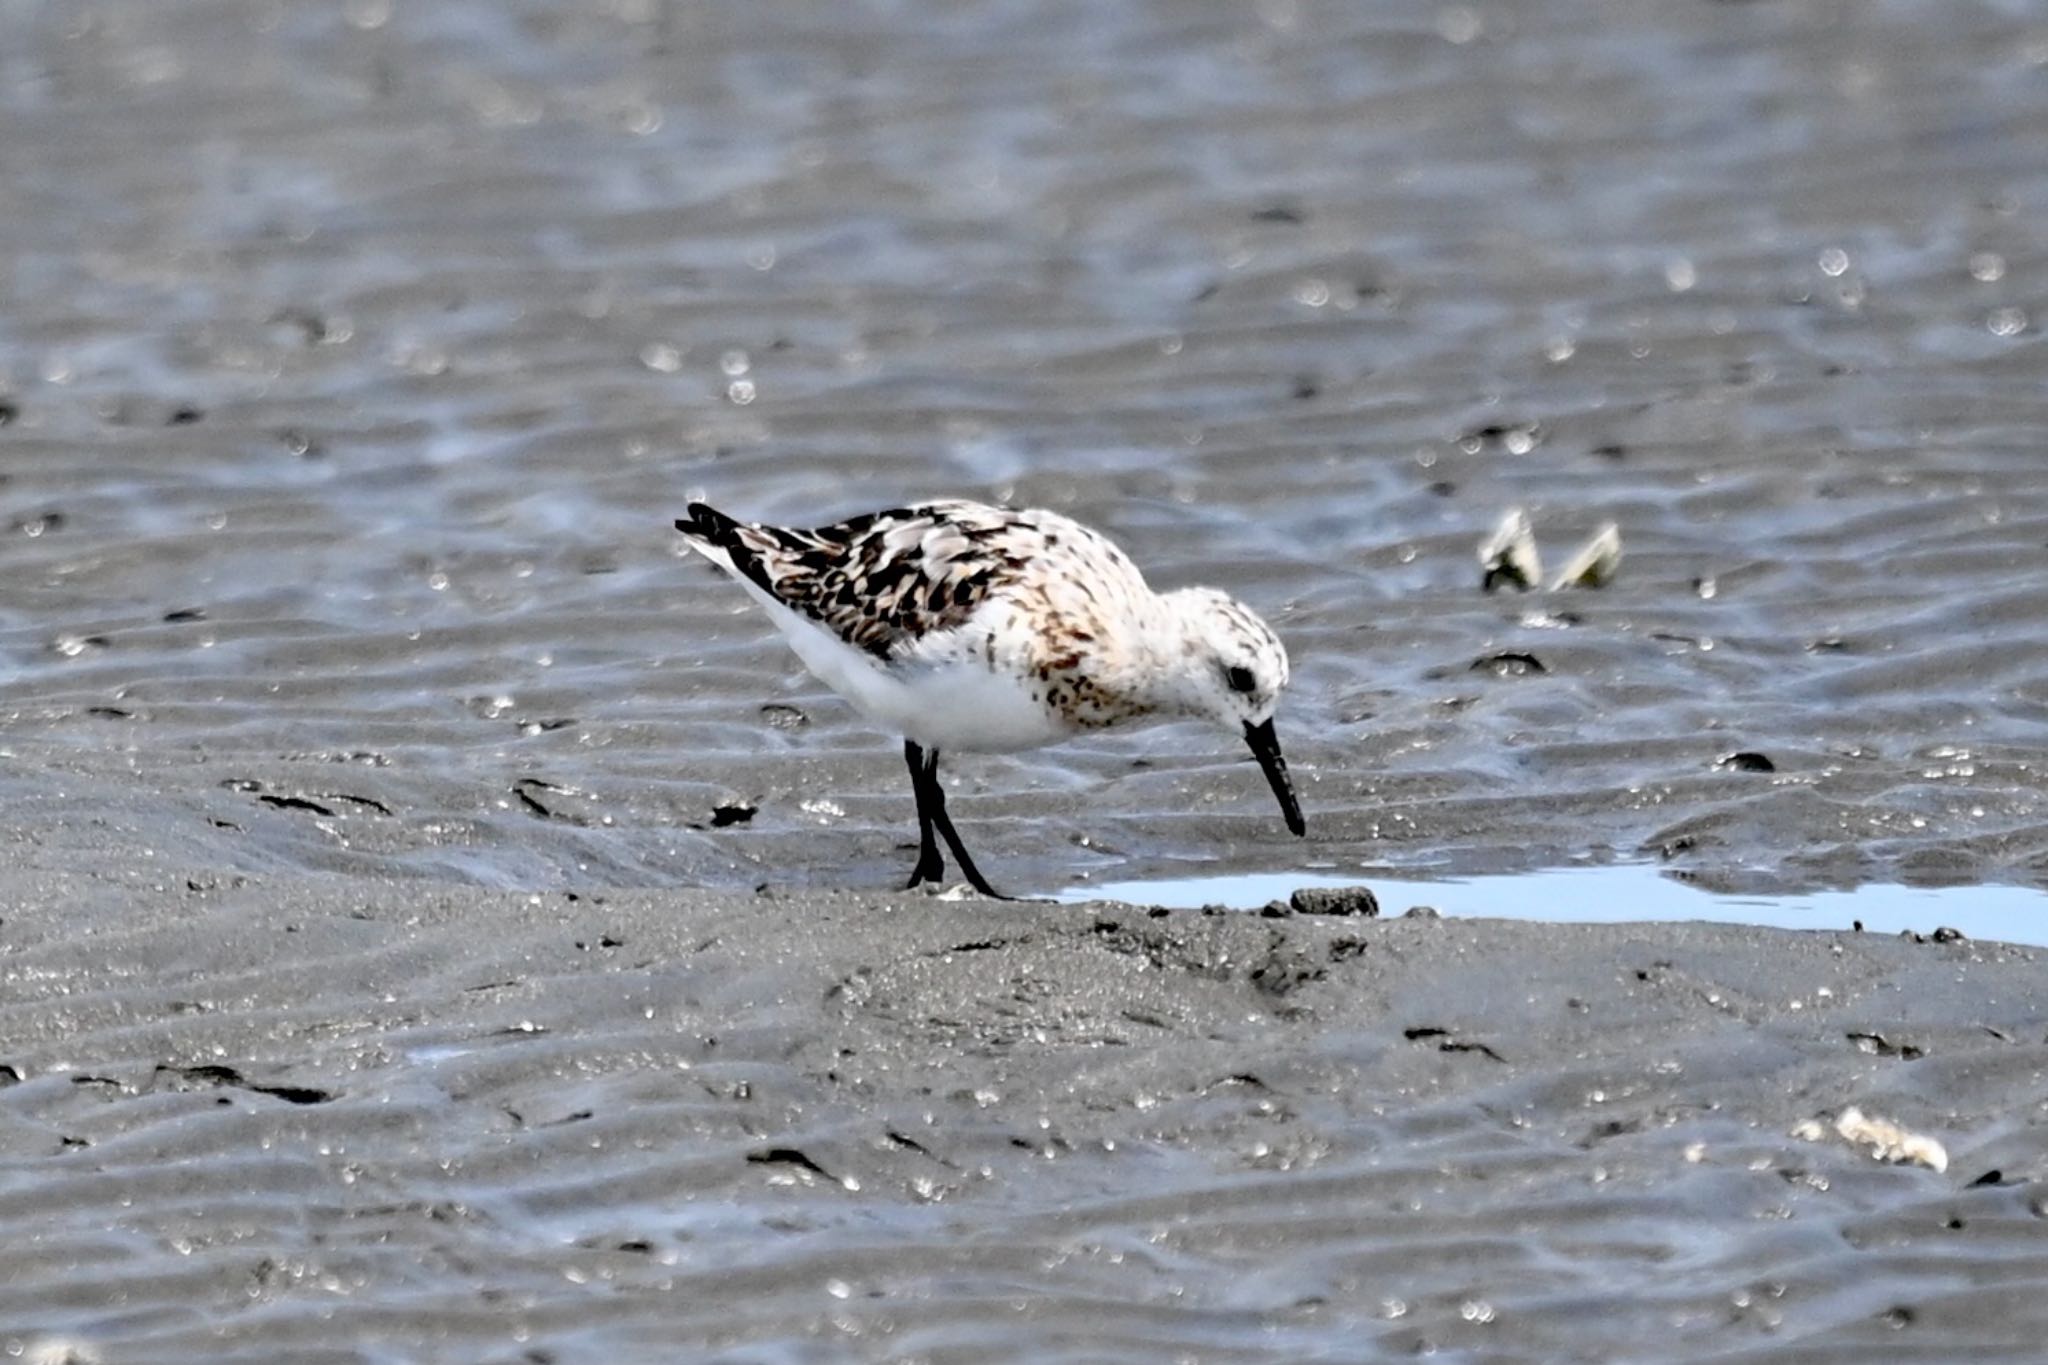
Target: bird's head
x: 1231, y: 668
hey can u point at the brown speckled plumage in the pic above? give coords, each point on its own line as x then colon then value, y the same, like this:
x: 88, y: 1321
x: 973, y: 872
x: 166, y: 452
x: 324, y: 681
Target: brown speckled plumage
x: 899, y: 584
x: 975, y: 627
x: 884, y: 580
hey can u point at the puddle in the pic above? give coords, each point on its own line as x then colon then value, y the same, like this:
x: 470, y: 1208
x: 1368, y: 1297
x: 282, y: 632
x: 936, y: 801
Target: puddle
x: 1629, y: 891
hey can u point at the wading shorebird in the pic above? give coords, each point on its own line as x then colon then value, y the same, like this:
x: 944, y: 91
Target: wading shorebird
x: 963, y: 626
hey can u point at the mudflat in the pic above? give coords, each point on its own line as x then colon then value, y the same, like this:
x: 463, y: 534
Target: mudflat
x: 350, y: 1120
x: 439, y: 922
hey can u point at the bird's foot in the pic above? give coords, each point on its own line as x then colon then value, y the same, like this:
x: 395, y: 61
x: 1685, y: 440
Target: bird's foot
x: 935, y: 884
x: 930, y: 871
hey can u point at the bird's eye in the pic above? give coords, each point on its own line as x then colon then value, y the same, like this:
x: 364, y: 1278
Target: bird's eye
x: 1240, y: 679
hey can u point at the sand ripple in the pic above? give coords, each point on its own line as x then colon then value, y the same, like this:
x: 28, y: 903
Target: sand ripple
x: 493, y: 1126
x: 357, y: 357
x: 357, y: 362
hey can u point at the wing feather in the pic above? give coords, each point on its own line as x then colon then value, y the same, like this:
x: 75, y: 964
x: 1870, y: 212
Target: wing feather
x: 883, y: 581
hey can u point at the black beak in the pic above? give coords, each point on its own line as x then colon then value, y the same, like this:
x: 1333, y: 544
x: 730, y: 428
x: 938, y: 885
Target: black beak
x: 1266, y: 748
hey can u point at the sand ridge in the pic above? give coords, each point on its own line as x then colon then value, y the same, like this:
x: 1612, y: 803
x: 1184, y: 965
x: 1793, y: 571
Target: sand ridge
x: 317, y: 1121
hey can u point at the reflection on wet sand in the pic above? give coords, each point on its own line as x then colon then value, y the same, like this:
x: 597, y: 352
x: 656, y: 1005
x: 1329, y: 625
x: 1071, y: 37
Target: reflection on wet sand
x: 1620, y: 894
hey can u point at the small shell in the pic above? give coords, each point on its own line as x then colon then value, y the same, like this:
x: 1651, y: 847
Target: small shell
x: 1594, y: 565
x: 59, y: 1351
x: 1509, y: 554
x: 1888, y: 1141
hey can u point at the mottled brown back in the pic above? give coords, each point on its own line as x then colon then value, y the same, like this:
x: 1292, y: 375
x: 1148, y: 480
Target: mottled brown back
x: 883, y: 580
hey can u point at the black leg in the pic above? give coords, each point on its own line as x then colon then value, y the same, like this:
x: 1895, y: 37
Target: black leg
x: 936, y: 796
x: 930, y: 866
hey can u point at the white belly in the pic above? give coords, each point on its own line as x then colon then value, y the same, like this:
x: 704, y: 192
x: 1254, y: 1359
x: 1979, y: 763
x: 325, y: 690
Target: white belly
x: 965, y: 706
x: 953, y: 705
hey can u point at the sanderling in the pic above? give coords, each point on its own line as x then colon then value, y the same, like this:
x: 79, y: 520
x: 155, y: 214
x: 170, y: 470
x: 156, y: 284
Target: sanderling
x: 962, y: 626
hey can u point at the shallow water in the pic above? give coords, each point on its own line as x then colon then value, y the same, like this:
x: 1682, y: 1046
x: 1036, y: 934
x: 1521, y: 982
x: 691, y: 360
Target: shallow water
x: 357, y: 360
x: 1625, y: 893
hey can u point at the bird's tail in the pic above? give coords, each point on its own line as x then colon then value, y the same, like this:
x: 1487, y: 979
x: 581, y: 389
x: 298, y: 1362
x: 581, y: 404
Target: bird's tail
x: 716, y: 536
x: 723, y: 541
x: 708, y: 526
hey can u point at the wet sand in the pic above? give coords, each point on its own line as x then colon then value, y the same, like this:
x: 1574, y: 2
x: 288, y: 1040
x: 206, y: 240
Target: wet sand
x: 358, y: 360
x: 438, y: 921
x: 347, y: 1121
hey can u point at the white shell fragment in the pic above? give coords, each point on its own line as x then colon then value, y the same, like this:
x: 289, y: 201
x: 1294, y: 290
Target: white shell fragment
x: 1509, y: 554
x: 58, y: 1351
x: 1886, y: 1140
x: 1594, y: 565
